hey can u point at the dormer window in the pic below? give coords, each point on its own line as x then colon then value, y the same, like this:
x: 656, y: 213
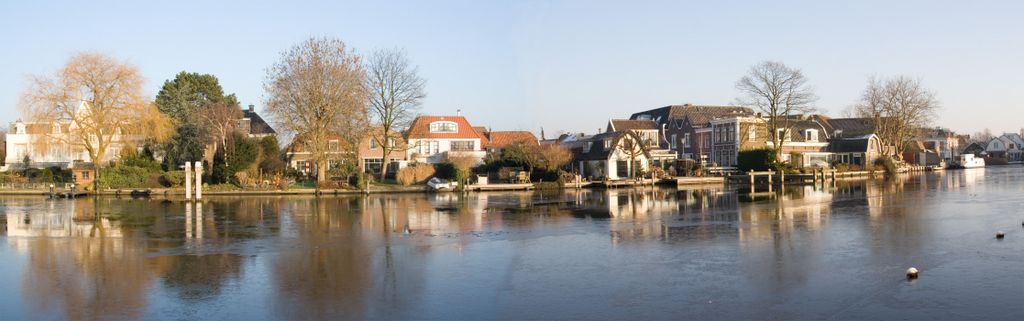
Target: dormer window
x: 811, y: 135
x: 838, y: 133
x: 785, y: 134
x: 444, y: 127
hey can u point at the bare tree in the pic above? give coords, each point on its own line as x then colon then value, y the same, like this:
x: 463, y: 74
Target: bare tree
x: 780, y: 94
x: 983, y: 136
x: 630, y: 145
x: 316, y: 92
x: 219, y: 119
x: 396, y: 91
x: 101, y: 98
x: 897, y: 108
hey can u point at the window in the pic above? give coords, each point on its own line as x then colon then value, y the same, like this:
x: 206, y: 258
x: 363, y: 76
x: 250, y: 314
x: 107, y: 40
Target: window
x: 373, y: 143
x: 607, y: 144
x: 587, y: 146
x: 333, y: 145
x: 673, y: 145
x: 372, y: 165
x: 85, y: 174
x: 391, y: 142
x: 463, y: 146
x: 785, y: 134
x: 838, y: 133
x: 686, y: 140
x: 444, y: 127
x: 811, y: 135
x: 752, y: 133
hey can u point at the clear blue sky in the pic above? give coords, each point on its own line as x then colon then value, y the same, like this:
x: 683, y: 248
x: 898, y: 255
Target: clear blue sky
x: 560, y: 65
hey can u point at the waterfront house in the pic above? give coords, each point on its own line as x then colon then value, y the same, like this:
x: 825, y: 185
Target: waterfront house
x: 611, y: 155
x: 652, y: 136
x: 496, y: 141
x: 369, y: 155
x: 861, y: 150
x: 941, y: 141
x: 1007, y: 146
x: 52, y: 143
x: 687, y: 128
x: 435, y: 139
x: 975, y: 148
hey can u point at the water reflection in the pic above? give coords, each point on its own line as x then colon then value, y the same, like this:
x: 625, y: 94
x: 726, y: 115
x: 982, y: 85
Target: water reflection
x: 392, y: 256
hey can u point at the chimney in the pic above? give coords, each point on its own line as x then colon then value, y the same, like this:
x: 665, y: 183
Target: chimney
x: 252, y: 108
x: 458, y: 112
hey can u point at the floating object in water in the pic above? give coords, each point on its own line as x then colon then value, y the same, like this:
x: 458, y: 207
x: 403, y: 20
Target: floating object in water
x: 912, y: 273
x: 1000, y: 235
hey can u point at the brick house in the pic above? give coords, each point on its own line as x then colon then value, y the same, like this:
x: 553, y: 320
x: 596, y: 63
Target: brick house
x: 687, y: 128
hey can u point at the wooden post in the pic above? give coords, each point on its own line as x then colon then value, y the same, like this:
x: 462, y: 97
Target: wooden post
x: 188, y: 180
x: 751, y: 173
x: 199, y: 180
x: 770, y: 174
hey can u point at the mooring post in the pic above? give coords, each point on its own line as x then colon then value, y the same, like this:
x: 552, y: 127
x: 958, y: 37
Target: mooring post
x: 51, y: 190
x: 751, y: 173
x: 199, y: 180
x: 770, y: 174
x: 188, y: 180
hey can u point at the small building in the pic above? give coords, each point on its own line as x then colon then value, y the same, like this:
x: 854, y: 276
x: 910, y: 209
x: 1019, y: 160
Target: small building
x: 1007, y: 146
x: 253, y: 125
x: 84, y: 174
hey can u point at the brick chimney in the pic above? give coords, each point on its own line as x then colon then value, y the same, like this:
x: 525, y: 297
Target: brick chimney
x: 252, y: 108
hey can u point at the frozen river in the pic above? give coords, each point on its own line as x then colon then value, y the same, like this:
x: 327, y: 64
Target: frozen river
x: 700, y: 253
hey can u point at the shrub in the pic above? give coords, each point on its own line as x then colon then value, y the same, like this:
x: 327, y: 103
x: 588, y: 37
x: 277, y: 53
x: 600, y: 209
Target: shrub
x: 841, y: 167
x: 415, y: 174
x: 128, y: 177
x: 755, y: 159
x: 886, y: 164
x: 173, y: 179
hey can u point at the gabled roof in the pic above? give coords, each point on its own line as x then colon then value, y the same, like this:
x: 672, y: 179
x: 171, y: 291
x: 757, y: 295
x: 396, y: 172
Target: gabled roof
x: 499, y: 139
x: 257, y: 126
x: 698, y: 114
x: 420, y: 128
x: 850, y: 127
x: 615, y: 125
x: 597, y: 150
x: 850, y: 145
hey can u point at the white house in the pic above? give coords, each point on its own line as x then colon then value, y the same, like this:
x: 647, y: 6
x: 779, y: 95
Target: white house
x: 612, y: 155
x: 47, y: 144
x: 435, y: 139
x: 1007, y: 146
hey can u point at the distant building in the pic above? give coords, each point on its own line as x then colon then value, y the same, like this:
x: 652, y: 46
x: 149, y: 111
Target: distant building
x: 611, y: 155
x: 253, y: 125
x: 687, y: 128
x: 496, y: 141
x: 1008, y: 146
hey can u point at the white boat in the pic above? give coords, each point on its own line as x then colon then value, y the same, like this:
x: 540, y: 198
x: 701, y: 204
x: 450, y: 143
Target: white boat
x: 969, y: 161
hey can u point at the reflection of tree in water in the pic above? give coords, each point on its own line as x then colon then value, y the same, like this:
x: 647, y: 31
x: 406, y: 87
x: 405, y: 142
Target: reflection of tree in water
x: 87, y: 278
x: 328, y: 276
x: 198, y: 277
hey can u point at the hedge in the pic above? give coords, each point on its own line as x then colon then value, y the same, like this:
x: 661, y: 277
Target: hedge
x: 755, y: 159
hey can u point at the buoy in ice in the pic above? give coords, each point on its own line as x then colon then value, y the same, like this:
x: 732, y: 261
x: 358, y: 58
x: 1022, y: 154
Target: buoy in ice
x: 912, y: 273
x: 1000, y: 235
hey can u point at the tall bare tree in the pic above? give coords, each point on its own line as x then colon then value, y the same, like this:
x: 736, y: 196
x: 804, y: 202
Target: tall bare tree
x: 897, y: 108
x: 396, y: 91
x: 780, y: 94
x: 631, y: 145
x: 219, y: 119
x: 317, y: 91
x: 100, y: 96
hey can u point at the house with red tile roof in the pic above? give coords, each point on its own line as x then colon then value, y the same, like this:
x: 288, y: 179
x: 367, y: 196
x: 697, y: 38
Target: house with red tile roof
x: 498, y: 140
x: 435, y: 139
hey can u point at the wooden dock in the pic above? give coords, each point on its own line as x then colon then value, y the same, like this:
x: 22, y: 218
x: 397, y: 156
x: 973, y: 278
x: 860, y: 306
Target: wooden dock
x: 678, y: 181
x: 499, y: 187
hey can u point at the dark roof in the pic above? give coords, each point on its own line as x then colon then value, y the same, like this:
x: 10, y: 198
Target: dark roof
x: 700, y: 113
x: 851, y: 127
x: 850, y: 145
x: 257, y: 126
x: 798, y: 128
x: 597, y: 150
x: 631, y: 124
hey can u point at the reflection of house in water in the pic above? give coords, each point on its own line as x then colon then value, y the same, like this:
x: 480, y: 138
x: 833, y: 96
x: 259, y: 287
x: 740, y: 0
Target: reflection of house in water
x: 62, y: 219
x: 799, y: 207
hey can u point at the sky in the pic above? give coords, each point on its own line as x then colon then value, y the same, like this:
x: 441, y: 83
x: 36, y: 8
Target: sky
x: 564, y: 66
